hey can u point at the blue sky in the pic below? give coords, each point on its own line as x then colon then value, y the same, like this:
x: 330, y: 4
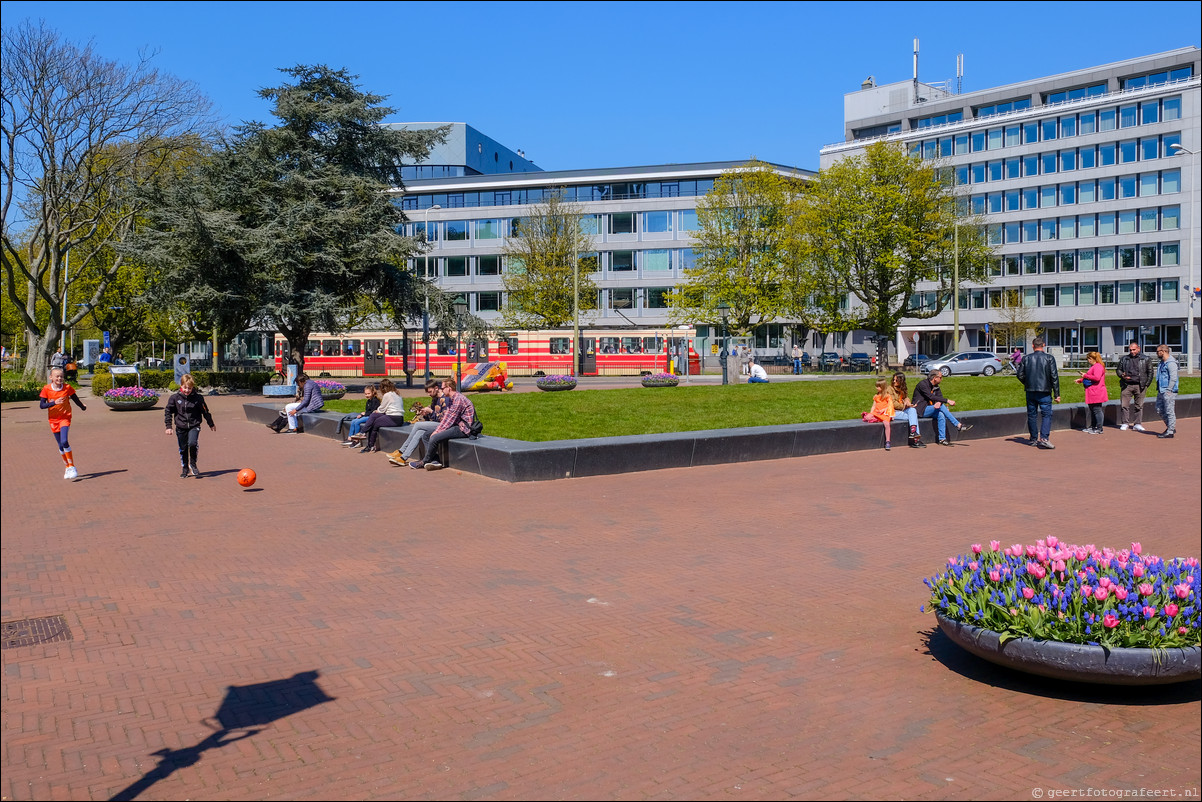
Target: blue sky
x: 582, y: 85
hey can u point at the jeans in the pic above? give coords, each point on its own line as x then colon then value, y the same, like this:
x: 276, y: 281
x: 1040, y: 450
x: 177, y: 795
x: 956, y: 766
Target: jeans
x: 419, y: 435
x: 355, y: 426
x: 910, y: 414
x: 432, y: 447
x: 1132, y: 400
x: 757, y: 380
x: 943, y: 416
x: 1166, y: 407
x: 1097, y: 416
x: 188, y: 440
x: 797, y: 366
x: 1039, y: 404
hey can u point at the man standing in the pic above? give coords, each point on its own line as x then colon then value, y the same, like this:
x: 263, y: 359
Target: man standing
x: 106, y: 357
x: 929, y: 401
x: 1135, y: 374
x: 1166, y: 391
x: 1038, y: 374
x: 796, y: 359
x: 58, y: 359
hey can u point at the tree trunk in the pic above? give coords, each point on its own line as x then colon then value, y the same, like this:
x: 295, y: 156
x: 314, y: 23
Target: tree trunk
x: 38, y: 349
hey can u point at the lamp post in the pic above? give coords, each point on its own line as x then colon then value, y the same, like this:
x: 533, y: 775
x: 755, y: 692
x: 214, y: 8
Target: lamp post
x: 576, y: 298
x: 956, y: 292
x: 1193, y: 262
x: 1080, y: 342
x: 426, y: 275
x: 460, y: 310
x: 724, y: 358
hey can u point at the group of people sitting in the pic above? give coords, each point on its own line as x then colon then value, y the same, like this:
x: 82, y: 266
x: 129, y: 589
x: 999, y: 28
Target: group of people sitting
x: 892, y: 399
x: 450, y: 415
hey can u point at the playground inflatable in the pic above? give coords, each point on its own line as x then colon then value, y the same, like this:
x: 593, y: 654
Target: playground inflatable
x: 484, y: 376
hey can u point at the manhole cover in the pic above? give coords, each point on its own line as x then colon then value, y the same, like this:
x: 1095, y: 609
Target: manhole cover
x: 33, y: 631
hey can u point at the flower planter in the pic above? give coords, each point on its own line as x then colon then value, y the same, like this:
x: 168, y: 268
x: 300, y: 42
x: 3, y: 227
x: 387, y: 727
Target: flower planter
x: 332, y: 396
x: 148, y: 403
x: 1078, y: 662
x: 551, y: 386
x: 659, y: 383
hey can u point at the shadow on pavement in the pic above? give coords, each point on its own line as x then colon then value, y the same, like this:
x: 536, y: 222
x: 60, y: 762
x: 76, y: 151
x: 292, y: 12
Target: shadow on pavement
x: 946, y: 651
x: 98, y: 474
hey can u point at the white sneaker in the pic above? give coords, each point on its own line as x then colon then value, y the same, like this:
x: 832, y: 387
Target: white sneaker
x: 1139, y: 427
x: 70, y: 473
x: 1124, y: 427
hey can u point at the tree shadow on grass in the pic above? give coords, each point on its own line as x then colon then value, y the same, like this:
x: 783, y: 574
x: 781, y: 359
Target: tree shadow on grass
x: 944, y: 650
x: 245, y: 711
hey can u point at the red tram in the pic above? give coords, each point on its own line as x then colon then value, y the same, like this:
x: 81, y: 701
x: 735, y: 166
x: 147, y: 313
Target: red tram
x: 604, y: 352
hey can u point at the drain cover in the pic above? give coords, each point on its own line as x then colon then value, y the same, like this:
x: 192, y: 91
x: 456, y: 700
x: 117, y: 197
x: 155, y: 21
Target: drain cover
x: 33, y: 631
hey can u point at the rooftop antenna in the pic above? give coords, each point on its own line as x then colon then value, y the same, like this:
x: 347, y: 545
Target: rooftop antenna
x: 916, y: 98
x: 959, y: 73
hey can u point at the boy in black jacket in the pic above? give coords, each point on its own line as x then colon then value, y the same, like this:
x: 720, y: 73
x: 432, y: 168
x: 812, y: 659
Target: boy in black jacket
x: 184, y: 409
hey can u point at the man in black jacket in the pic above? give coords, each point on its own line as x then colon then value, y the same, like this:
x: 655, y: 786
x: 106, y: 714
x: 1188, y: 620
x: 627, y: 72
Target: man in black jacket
x: 930, y: 403
x: 1038, y: 374
x: 1135, y: 374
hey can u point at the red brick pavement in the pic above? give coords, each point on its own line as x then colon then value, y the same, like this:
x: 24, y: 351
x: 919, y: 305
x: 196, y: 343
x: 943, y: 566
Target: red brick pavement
x: 747, y: 631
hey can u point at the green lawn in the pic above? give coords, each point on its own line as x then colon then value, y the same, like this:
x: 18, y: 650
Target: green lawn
x: 539, y: 416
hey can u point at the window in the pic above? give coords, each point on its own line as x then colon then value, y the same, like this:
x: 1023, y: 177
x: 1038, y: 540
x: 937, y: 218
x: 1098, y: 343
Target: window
x: 1012, y: 265
x: 1047, y: 163
x: 1106, y: 120
x: 1086, y: 225
x: 560, y: 345
x: 621, y: 299
x: 1169, y: 254
x: 1047, y: 230
x: 1030, y: 296
x: 657, y: 222
x: 1068, y: 160
x: 1068, y: 295
x: 1031, y: 198
x: 688, y: 220
x: 1126, y: 256
x: 1147, y: 184
x: 995, y: 171
x: 1087, y: 158
x: 1106, y: 224
x: 978, y: 173
x: 1068, y: 227
x: 1049, y: 262
x: 1068, y: 126
x: 1105, y: 258
x: 1048, y: 130
x: 1149, y: 148
x: 1107, y: 189
x: 454, y: 265
x: 1085, y: 295
x: 1126, y: 292
x: 488, y: 302
x: 1127, y: 221
x: 1013, y: 232
x: 978, y: 204
x: 1013, y: 200
x: 1014, y: 136
x: 1047, y: 198
x: 622, y: 223
x: 978, y: 141
x: 1147, y: 219
x: 1047, y: 296
x: 961, y: 175
x: 1127, y: 116
x: 590, y: 224
x: 1171, y: 106
x: 1127, y: 186
x: 1106, y: 293
x: 1068, y: 261
x: 1030, y: 132
x: 1089, y: 122
x: 1170, y: 182
x: 686, y: 259
x: 996, y: 140
x: 1087, y: 191
x: 1168, y: 291
x: 488, y: 229
x: 1147, y: 256
x: 657, y: 297
x: 1170, y: 218
x: 1030, y: 264
x: 993, y: 202
x: 1085, y: 261
x: 1068, y: 194
x: 1128, y: 151
x: 657, y: 260
x: 1107, y: 153
x: 456, y: 230
x: 1031, y: 165
x: 1030, y: 231
x: 632, y: 345
x: 488, y: 265
x: 621, y: 261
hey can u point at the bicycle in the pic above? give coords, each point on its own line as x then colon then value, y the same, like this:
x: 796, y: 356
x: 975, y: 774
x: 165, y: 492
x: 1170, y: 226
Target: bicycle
x: 1008, y: 368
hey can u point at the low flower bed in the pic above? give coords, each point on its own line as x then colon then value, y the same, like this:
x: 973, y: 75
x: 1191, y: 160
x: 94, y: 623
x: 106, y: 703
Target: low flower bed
x: 553, y: 383
x: 131, y: 398
x: 330, y: 390
x: 661, y: 380
x: 1072, y: 594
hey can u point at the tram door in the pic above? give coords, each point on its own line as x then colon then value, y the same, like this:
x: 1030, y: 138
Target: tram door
x: 586, y: 351
x: 373, y: 358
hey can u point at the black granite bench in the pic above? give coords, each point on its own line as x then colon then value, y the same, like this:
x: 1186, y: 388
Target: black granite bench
x: 522, y: 461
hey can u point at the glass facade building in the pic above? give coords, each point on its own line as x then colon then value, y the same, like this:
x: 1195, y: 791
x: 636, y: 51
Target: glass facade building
x: 1090, y: 192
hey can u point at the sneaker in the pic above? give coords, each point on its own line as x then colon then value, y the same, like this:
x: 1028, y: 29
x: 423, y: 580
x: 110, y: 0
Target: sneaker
x: 1139, y: 427
x: 70, y: 473
x: 347, y: 443
x: 417, y: 466
x: 886, y: 446
x: 433, y: 466
x: 194, y: 471
x: 964, y: 427
x: 183, y: 472
x: 1124, y: 427
x: 1166, y: 435
x: 1045, y: 444
x: 945, y: 442
x: 396, y: 459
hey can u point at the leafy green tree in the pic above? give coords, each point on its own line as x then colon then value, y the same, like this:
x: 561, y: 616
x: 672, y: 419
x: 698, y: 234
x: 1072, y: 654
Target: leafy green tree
x: 747, y: 252
x: 291, y: 227
x: 538, y: 267
x: 880, y: 224
x: 80, y: 134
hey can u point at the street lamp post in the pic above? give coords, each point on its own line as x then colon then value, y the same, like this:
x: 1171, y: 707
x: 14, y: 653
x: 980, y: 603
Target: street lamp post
x: 1194, y: 198
x: 460, y: 311
x: 724, y: 357
x: 426, y: 275
x: 1080, y: 342
x: 956, y: 292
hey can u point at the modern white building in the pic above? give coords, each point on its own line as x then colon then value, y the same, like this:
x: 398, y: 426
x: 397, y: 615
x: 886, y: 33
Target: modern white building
x: 1090, y: 183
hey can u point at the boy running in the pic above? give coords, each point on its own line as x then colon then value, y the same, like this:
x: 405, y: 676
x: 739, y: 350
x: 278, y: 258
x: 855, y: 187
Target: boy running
x: 185, y: 409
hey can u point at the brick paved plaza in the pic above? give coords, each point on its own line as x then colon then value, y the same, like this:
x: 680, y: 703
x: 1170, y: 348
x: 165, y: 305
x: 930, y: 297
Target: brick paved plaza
x: 749, y: 631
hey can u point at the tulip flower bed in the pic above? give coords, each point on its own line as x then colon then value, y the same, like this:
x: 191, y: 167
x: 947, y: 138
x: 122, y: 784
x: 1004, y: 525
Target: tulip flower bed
x: 1072, y: 594
x: 330, y: 389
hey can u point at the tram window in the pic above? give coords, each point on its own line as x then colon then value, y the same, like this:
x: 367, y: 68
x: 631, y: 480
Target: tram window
x: 313, y: 348
x: 445, y: 346
x: 508, y: 345
x: 652, y: 345
x: 559, y: 345
x: 351, y: 348
x: 396, y: 347
x: 477, y: 350
x: 330, y: 347
x: 609, y: 345
x: 632, y: 345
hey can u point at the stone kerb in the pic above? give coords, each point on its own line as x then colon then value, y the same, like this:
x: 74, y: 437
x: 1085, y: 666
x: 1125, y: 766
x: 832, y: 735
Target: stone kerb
x: 521, y: 461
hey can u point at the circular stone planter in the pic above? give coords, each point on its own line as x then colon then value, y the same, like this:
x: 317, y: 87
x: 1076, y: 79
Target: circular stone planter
x: 1078, y: 662
x: 650, y: 383
x: 552, y: 387
x: 332, y: 396
x: 131, y: 405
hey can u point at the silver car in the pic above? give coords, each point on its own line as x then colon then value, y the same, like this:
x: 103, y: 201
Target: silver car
x: 974, y: 363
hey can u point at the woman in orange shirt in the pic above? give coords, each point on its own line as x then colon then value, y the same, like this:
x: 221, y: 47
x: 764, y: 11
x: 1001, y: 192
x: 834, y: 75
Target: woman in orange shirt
x: 57, y: 397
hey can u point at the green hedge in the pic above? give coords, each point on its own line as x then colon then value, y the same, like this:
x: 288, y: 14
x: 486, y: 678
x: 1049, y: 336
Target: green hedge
x: 102, y: 382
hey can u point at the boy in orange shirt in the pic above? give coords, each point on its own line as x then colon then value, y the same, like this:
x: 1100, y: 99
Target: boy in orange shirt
x: 57, y: 397
x: 882, y: 409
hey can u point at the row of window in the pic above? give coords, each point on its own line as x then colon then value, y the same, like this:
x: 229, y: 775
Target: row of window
x: 1166, y: 254
x: 580, y: 193
x: 1084, y: 226
x: 654, y: 260
x: 1087, y: 294
x: 1142, y: 185
x: 653, y: 222
x: 617, y: 298
x: 1107, y: 154
x: 1064, y: 126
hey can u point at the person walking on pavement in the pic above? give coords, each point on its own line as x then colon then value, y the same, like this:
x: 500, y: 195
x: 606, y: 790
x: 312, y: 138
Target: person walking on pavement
x: 1166, y: 391
x: 1135, y: 374
x: 1039, y: 376
x: 184, y: 411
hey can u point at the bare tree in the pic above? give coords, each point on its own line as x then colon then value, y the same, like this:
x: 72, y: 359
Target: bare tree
x: 1014, y: 323
x: 80, y: 133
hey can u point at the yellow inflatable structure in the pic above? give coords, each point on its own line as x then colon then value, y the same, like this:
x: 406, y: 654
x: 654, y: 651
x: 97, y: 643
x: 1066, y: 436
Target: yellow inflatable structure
x: 484, y: 376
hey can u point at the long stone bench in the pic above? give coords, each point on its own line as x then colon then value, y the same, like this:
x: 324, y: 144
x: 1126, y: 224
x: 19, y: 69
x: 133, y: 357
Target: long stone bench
x: 522, y: 461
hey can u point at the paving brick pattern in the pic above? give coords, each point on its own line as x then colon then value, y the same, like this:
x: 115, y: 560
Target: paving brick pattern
x: 746, y: 631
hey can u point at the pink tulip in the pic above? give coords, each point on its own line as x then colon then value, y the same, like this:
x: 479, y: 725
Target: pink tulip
x: 972, y: 566
x: 1110, y: 620
x: 1137, y: 570
x: 1181, y: 590
x: 995, y: 576
x: 1086, y: 591
x: 1080, y: 553
x: 976, y: 548
x: 1149, y: 611
x: 1145, y: 589
x: 1136, y: 548
x: 1120, y: 593
x: 1028, y: 594
x: 1101, y: 594
x: 1171, y: 609
x: 1181, y: 630
x: 1017, y: 549
x: 1053, y: 540
x: 995, y: 544
x: 1104, y: 581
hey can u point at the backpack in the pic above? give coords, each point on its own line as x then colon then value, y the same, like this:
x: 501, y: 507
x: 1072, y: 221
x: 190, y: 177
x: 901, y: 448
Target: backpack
x: 476, y: 428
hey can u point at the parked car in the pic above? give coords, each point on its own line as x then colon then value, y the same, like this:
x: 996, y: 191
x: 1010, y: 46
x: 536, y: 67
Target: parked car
x: 829, y: 360
x: 859, y: 360
x: 914, y: 359
x: 973, y: 363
